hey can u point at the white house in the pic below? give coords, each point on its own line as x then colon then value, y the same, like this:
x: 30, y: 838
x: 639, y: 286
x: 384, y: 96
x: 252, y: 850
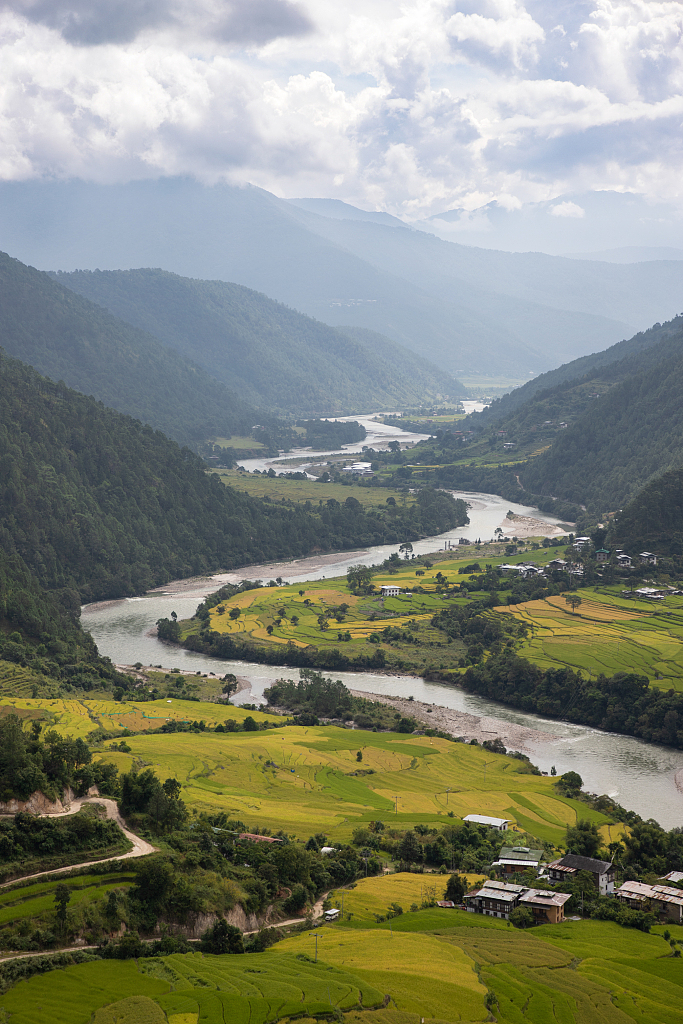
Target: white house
x: 647, y: 558
x: 390, y: 591
x: 481, y: 819
x: 566, y: 867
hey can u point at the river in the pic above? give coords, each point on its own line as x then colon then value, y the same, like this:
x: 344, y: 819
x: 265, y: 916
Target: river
x: 640, y: 776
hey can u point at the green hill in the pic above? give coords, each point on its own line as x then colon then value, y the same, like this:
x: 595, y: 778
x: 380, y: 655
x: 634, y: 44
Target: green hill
x: 270, y: 354
x: 653, y: 520
x: 69, y: 338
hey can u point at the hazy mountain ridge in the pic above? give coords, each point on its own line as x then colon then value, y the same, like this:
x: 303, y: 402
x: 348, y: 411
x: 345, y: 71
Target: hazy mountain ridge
x: 67, y: 337
x: 272, y: 355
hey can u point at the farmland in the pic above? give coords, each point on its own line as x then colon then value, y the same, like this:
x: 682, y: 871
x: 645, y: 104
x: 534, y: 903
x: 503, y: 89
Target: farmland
x: 306, y: 780
x: 277, y: 488
x: 608, y: 633
x: 429, y: 965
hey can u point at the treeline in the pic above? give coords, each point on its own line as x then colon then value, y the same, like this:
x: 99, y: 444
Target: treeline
x: 327, y: 434
x: 30, y: 843
x: 653, y: 521
x: 29, y: 763
x: 623, y: 703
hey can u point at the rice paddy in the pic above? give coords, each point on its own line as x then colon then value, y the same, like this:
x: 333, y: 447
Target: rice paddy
x: 608, y: 633
x: 304, y: 780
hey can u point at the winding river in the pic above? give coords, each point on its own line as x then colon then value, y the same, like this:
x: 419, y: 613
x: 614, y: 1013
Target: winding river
x: 640, y: 776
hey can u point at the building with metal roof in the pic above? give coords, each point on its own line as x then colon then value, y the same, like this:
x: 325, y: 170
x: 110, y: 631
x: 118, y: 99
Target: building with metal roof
x: 546, y: 906
x: 482, y: 819
x: 517, y: 858
x: 567, y: 867
x: 662, y: 900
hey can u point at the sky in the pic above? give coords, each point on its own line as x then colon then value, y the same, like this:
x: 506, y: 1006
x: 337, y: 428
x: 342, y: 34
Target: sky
x: 413, y: 108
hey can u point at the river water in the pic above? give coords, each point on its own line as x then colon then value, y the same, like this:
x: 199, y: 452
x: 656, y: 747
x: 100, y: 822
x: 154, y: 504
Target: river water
x: 640, y: 776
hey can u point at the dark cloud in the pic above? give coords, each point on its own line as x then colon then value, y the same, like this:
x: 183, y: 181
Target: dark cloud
x: 259, y: 21
x: 94, y: 22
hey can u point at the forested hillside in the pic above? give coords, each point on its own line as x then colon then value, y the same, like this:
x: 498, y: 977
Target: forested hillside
x: 66, y: 337
x: 653, y: 520
x: 584, y: 369
x: 629, y: 435
x: 99, y: 503
x: 272, y: 355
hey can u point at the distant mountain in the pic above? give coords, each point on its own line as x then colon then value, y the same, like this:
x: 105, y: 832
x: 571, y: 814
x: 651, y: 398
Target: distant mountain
x: 338, y: 210
x: 66, y: 337
x: 576, y: 222
x: 462, y: 308
x: 271, y: 355
x: 629, y: 254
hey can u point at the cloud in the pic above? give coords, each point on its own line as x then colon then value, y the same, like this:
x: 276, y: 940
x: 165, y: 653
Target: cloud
x: 414, y: 108
x: 98, y: 22
x: 567, y: 209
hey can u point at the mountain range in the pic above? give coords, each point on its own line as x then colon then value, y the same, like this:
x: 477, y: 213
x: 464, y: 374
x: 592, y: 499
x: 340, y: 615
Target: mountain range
x: 466, y: 309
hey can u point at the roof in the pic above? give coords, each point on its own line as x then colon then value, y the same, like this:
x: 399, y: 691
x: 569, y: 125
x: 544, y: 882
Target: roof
x: 545, y: 897
x: 505, y: 863
x: 641, y: 892
x: 259, y: 839
x: 674, y: 876
x: 482, y: 819
x: 520, y: 853
x: 445, y: 903
x: 573, y: 860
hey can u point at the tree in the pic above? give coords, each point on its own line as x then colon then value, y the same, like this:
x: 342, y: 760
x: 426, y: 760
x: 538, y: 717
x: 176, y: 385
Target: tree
x: 172, y: 789
x: 571, y: 783
x: 521, y: 917
x: 407, y: 549
x: 358, y: 576
x: 583, y: 839
x: 359, y: 755
x: 409, y: 849
x: 222, y: 938
x: 235, y: 613
x: 456, y: 887
x: 250, y: 725
x: 574, y: 600
x: 62, y: 900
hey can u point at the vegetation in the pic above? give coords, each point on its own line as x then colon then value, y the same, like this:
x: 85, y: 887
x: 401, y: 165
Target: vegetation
x: 70, y: 339
x: 257, y: 346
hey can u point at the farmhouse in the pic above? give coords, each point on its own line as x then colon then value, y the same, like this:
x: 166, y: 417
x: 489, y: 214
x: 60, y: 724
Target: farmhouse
x: 602, y: 555
x: 518, y: 858
x: 496, y: 899
x: 481, y: 819
x: 647, y: 558
x: 625, y: 560
x: 566, y: 867
x: 547, y: 907
x: 390, y: 591
x: 581, y: 542
x: 661, y: 899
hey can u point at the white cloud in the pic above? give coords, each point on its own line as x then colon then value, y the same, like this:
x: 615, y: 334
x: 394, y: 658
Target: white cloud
x: 413, y: 108
x: 567, y: 209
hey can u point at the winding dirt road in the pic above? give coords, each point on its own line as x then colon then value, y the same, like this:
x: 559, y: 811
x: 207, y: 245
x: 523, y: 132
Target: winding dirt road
x: 140, y: 846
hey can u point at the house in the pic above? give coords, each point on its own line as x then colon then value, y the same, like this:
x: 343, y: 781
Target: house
x: 252, y: 838
x: 625, y: 561
x: 501, y: 824
x: 673, y: 876
x: 581, y: 542
x: 663, y: 900
x: 650, y: 593
x: 496, y: 899
x: 446, y: 904
x: 557, y: 563
x: 517, y: 858
x: 602, y: 555
x: 546, y: 906
x: 389, y: 591
x: 566, y: 867
x: 508, y: 446
x: 647, y: 558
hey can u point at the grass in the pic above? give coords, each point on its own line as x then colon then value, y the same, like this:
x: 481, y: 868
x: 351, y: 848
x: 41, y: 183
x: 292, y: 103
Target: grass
x: 279, y: 488
x: 81, y: 717
x: 238, y: 442
x: 298, y: 779
x: 608, y: 633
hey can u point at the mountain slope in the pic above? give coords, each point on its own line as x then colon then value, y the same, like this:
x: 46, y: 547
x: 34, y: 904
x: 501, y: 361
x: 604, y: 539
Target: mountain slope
x: 272, y: 355
x: 69, y: 338
x: 250, y: 237
x: 627, y: 437
x: 653, y: 520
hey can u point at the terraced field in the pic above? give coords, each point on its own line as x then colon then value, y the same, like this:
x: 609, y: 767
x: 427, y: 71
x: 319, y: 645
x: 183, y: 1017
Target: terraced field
x: 80, y: 717
x: 306, y: 780
x: 608, y: 633
x: 37, y: 900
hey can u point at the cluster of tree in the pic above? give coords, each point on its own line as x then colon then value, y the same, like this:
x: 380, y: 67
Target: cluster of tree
x: 328, y: 434
x: 477, y: 630
x: 652, y: 521
x: 150, y: 803
x: 31, y: 763
x: 231, y: 647
x: 29, y: 840
x: 257, y: 346
x: 623, y: 703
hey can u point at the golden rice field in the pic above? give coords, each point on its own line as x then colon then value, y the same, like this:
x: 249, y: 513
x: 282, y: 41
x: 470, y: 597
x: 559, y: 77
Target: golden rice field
x: 303, y: 780
x: 80, y: 717
x: 372, y: 896
x: 608, y: 633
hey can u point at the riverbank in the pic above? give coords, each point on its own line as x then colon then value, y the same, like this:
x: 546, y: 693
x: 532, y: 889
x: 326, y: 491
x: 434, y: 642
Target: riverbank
x: 462, y: 725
